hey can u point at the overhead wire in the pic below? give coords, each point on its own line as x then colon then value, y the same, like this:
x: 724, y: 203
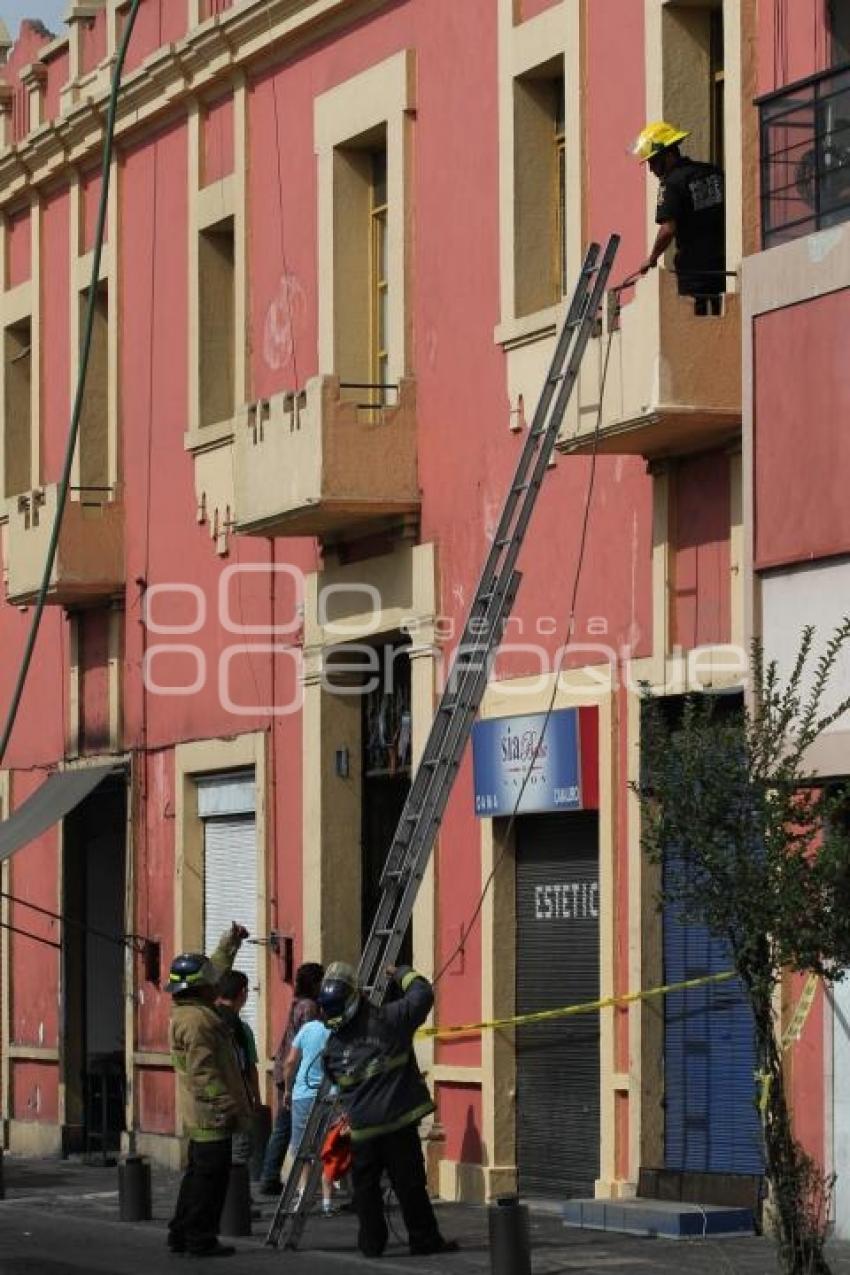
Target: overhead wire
x: 506, y: 838
x: 85, y: 352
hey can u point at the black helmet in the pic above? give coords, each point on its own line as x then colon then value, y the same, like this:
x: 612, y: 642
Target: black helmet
x: 339, y: 994
x: 190, y: 971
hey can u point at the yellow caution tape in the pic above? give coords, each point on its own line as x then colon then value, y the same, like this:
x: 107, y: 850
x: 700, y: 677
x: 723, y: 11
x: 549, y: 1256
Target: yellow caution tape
x: 766, y: 1080
x: 791, y: 1034
x: 794, y: 1030
x: 586, y: 1007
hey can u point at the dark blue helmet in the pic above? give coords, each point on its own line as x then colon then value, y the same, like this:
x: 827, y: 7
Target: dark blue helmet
x: 339, y: 994
x: 190, y: 971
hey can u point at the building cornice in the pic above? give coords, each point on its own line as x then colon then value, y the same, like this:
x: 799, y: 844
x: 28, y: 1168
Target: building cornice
x: 248, y: 37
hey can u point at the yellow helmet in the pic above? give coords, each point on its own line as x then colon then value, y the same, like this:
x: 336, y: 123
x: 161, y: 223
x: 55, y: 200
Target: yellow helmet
x: 656, y: 138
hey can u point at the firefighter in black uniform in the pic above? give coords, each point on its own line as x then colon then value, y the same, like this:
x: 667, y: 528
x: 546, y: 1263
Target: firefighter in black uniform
x: 370, y: 1057
x: 690, y: 211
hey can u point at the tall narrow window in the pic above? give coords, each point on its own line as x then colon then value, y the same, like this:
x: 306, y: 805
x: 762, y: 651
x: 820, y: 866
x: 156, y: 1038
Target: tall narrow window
x: 362, y: 336
x: 716, y: 86
x: 216, y: 321
x: 540, y: 264
x: 379, y: 272
x: 560, y: 191
x: 17, y: 409
x: 94, y: 422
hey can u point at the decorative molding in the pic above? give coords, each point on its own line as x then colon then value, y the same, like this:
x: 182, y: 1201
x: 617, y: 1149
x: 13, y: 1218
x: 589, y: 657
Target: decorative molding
x: 202, y: 62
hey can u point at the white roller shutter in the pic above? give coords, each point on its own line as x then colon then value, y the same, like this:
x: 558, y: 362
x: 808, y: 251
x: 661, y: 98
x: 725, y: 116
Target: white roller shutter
x: 230, y: 892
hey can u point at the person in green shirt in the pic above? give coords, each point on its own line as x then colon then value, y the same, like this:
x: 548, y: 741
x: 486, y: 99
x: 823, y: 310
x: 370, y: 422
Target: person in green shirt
x: 231, y: 995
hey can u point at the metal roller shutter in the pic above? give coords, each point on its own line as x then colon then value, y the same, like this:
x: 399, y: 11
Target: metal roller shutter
x: 711, y: 1124
x: 557, y: 963
x: 230, y: 891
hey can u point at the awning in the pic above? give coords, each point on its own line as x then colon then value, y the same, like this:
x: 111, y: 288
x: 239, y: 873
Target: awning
x: 57, y: 797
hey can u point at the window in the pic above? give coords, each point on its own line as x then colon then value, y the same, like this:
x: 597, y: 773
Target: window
x: 94, y: 420
x: 216, y: 322
x: 227, y: 806
x: 17, y: 408
x: 362, y: 267
x: 379, y: 272
x: 540, y: 265
x: 694, y: 75
x: 363, y: 133
x: 559, y: 195
x: 716, y: 86
x: 838, y: 21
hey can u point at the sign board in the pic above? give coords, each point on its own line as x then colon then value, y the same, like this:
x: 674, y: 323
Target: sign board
x: 551, y: 769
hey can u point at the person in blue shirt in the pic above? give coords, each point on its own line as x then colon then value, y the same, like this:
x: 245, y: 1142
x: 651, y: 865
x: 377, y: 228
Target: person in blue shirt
x: 302, y: 1074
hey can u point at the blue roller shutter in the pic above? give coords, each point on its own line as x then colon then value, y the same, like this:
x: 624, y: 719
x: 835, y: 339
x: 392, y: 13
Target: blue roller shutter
x: 711, y: 1124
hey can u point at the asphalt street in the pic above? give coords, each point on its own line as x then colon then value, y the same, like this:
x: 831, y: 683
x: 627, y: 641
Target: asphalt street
x: 61, y: 1218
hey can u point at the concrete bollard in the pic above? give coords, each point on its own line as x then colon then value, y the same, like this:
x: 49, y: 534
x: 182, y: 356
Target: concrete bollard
x: 236, y: 1214
x: 134, y: 1189
x: 510, y: 1237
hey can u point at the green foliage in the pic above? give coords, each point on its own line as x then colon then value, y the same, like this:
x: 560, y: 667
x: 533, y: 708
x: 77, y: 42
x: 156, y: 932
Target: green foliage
x: 756, y: 850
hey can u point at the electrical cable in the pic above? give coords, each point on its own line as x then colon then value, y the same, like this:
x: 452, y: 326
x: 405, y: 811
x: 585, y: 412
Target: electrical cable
x: 85, y: 351
x: 118, y: 940
x: 28, y: 934
x: 506, y: 839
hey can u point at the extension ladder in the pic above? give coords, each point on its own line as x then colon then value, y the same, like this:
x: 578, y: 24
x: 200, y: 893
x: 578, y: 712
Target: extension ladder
x: 423, y: 811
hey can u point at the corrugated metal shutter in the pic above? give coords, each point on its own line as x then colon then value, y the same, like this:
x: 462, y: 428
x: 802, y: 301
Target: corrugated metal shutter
x: 230, y: 891
x: 557, y: 963
x: 711, y: 1124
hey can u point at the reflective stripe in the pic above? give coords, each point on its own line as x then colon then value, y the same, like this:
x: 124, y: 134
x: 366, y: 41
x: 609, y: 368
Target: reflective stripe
x: 378, y: 1067
x: 376, y: 1130
x: 207, y: 1135
x: 410, y: 977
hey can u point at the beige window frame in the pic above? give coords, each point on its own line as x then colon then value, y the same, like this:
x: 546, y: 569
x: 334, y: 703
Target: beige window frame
x: 536, y: 56
x: 379, y: 284
x: 559, y: 195
x: 349, y: 122
x: 717, y: 87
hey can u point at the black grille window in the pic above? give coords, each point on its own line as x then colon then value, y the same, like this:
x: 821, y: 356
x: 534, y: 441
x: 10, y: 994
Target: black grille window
x: 805, y: 156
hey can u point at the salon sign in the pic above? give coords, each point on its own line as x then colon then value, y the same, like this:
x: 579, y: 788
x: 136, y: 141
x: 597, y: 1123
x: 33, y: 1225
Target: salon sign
x: 534, y: 764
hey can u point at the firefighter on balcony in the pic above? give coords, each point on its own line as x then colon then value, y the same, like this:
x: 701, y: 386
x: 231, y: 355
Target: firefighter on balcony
x: 690, y: 211
x: 370, y: 1057
x: 213, y: 1099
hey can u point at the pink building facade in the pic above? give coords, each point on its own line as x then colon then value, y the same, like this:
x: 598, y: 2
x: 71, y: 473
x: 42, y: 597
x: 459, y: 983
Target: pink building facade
x: 338, y: 241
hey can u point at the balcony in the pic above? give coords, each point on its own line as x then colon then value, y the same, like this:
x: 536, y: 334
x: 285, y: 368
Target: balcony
x: 805, y: 156
x: 674, y: 377
x: 89, y: 562
x: 332, y: 461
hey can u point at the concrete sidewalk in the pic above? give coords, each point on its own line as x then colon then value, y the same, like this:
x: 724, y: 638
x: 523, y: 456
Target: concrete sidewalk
x: 61, y: 1218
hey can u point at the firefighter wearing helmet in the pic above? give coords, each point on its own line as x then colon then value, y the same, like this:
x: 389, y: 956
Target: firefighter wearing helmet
x: 213, y: 1100
x: 690, y: 211
x: 370, y: 1057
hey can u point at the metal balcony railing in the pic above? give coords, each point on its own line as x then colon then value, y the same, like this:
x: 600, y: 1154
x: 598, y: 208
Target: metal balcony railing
x: 805, y: 156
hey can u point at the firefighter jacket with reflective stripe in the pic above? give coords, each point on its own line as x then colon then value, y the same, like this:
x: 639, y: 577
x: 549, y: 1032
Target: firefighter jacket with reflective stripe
x: 371, y: 1060
x: 213, y: 1100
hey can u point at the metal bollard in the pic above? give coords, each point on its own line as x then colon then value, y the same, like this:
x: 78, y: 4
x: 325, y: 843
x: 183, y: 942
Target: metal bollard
x: 236, y: 1214
x: 134, y: 1189
x: 510, y: 1237
x: 259, y: 1141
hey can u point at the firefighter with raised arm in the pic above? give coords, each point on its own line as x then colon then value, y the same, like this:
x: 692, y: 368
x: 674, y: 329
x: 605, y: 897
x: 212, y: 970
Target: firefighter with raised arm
x: 370, y: 1057
x: 213, y: 1099
x: 690, y: 211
